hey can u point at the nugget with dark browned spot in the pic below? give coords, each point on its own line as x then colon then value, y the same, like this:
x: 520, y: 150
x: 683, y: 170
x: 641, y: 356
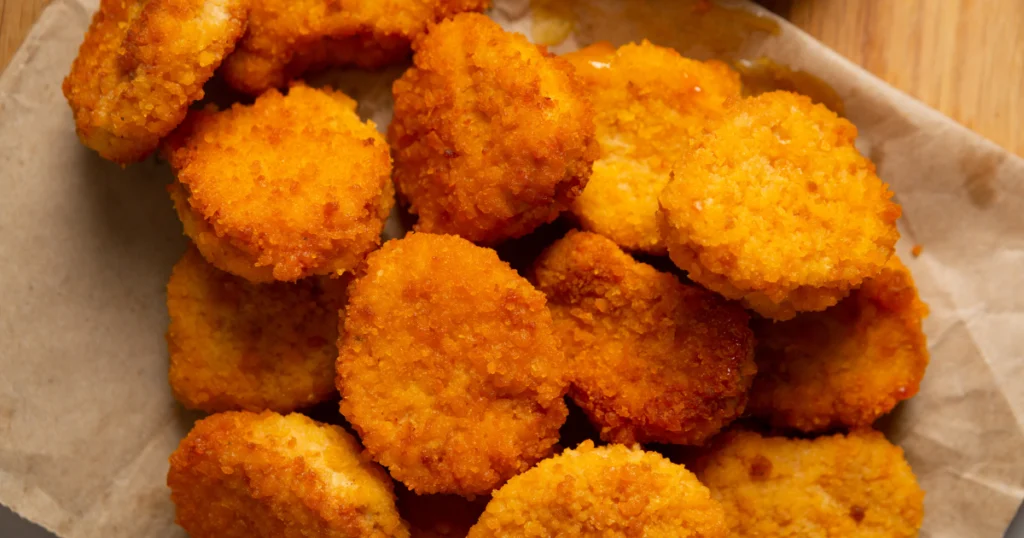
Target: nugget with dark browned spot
x: 448, y: 367
x: 492, y: 136
x: 651, y: 359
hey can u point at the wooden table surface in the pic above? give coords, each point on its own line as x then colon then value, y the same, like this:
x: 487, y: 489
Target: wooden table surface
x: 963, y: 57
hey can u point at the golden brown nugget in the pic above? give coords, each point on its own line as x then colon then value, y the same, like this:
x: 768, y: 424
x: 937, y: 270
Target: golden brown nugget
x: 845, y: 366
x: 289, y: 187
x: 448, y: 367
x: 242, y: 474
x: 235, y: 345
x: 777, y: 208
x: 140, y: 67
x: 606, y: 492
x: 492, y: 136
x: 853, y: 486
x: 287, y: 38
x: 651, y: 104
x: 651, y: 359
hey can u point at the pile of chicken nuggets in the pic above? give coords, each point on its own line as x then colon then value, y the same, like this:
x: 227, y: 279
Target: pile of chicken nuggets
x: 725, y: 317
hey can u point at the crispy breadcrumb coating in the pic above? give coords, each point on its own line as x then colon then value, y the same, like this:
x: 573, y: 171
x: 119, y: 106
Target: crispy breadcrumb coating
x: 776, y: 207
x: 289, y: 187
x: 857, y: 485
x: 606, y: 492
x: 242, y: 474
x: 492, y: 136
x: 287, y: 38
x: 235, y: 345
x: 448, y: 367
x: 650, y: 105
x: 439, y: 516
x: 845, y: 366
x: 651, y: 359
x: 140, y: 67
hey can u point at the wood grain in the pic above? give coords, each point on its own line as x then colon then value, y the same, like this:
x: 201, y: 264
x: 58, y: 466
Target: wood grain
x: 16, y: 18
x: 963, y: 57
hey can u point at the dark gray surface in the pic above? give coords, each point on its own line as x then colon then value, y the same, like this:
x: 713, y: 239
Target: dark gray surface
x: 12, y: 526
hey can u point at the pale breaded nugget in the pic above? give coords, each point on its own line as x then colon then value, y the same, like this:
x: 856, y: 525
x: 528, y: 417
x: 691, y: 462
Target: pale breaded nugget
x: 286, y: 38
x: 439, y: 516
x: 650, y: 104
x: 448, y: 367
x: 845, y: 366
x: 235, y: 345
x: 492, y: 137
x: 776, y: 207
x: 142, y: 64
x: 858, y: 485
x: 605, y: 492
x: 289, y: 187
x: 651, y: 359
x: 242, y: 474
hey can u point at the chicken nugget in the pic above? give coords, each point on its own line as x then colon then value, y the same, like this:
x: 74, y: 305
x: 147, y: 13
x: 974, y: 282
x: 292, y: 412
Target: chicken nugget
x: 843, y: 486
x: 242, y: 474
x: 650, y: 105
x: 492, y: 137
x: 448, y: 367
x: 439, y: 516
x: 235, y: 345
x: 287, y: 38
x: 289, y: 187
x: 845, y: 366
x: 140, y: 67
x: 651, y: 359
x: 777, y: 208
x: 611, y: 491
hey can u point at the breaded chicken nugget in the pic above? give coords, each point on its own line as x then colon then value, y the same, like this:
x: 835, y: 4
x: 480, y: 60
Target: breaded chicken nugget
x: 606, y: 492
x: 858, y: 485
x: 845, y: 366
x: 492, y: 137
x: 776, y: 207
x: 651, y: 359
x: 286, y: 38
x: 289, y: 187
x: 237, y: 345
x: 448, y: 367
x: 242, y: 474
x: 439, y: 516
x: 142, y: 64
x: 650, y: 105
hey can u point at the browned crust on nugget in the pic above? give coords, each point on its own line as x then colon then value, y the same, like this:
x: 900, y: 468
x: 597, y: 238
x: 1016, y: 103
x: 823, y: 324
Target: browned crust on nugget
x: 242, y: 474
x: 235, y: 345
x: 287, y: 38
x: 492, y: 137
x: 776, y: 207
x: 853, y: 485
x: 651, y: 359
x: 289, y: 187
x: 845, y: 366
x: 651, y: 105
x: 607, y: 492
x: 140, y: 67
x: 448, y: 367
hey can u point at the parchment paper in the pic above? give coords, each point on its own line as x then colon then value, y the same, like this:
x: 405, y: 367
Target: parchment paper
x: 86, y: 417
